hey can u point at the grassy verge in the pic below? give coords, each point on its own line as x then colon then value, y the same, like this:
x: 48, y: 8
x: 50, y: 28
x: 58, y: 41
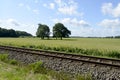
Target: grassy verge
x: 92, y: 52
x: 70, y: 50
x: 13, y: 70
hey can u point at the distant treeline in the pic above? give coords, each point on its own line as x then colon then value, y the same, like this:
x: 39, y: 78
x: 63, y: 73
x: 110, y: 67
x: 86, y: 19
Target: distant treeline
x: 96, y: 37
x: 112, y: 37
x: 12, y: 33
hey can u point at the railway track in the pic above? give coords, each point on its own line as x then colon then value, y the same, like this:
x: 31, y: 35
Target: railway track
x: 72, y: 57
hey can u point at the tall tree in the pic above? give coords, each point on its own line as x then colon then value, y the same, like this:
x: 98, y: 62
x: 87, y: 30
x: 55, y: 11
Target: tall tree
x: 59, y: 31
x: 43, y: 31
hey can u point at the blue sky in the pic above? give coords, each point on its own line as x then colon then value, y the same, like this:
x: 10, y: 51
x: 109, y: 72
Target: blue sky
x: 82, y: 17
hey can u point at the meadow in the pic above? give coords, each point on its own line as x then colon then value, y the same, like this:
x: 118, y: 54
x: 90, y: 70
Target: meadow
x: 89, y: 46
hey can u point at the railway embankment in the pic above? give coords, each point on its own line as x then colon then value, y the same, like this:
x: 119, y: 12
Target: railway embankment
x: 99, y: 68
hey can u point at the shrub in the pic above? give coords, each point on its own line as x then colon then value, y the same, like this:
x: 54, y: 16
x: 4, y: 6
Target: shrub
x: 4, y: 57
x: 13, y: 62
x: 37, y: 67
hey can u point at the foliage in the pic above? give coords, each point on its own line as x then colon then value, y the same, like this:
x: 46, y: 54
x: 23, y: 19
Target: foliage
x: 59, y: 31
x: 4, y: 57
x: 7, y: 33
x: 22, y: 33
x: 38, y: 67
x: 15, y: 72
x: 12, y: 33
x: 43, y: 31
x: 13, y: 62
x: 113, y: 54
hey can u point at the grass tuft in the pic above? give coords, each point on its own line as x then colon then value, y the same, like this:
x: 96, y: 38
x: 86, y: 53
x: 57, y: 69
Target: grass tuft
x: 83, y: 77
x: 4, y: 57
x: 113, y: 54
x: 38, y: 67
x: 59, y: 75
x: 13, y: 62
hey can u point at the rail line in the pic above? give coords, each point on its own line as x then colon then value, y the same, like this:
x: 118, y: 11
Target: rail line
x: 72, y: 57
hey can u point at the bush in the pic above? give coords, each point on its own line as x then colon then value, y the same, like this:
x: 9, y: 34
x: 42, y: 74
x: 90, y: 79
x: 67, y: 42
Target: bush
x: 4, y: 57
x: 13, y: 62
x: 37, y: 67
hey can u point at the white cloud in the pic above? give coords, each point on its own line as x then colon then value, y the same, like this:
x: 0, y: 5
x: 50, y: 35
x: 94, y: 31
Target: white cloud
x: 68, y: 8
x: 110, y: 23
x: 108, y: 8
x: 30, y: 28
x: 13, y: 22
x: 77, y: 27
x: 36, y: 1
x: 58, y: 1
x: 73, y: 22
x: 50, y: 5
x: 25, y: 6
x: 28, y: 7
x: 83, y: 31
x: 36, y: 11
x: 110, y: 27
x: 45, y: 5
x: 16, y: 25
x: 0, y: 21
x: 20, y: 4
x: 10, y: 23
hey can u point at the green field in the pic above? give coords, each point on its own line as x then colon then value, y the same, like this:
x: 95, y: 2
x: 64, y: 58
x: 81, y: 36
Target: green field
x: 89, y: 46
x: 85, y: 43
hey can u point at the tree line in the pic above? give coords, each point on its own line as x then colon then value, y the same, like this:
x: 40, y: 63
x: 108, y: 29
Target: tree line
x: 59, y: 31
x: 43, y: 31
x: 12, y: 33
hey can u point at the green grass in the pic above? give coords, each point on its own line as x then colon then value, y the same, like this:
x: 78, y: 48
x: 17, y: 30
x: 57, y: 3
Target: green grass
x: 88, y: 46
x: 12, y: 70
x: 85, y: 43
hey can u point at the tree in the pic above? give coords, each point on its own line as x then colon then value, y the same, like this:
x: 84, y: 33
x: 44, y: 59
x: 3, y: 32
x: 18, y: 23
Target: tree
x: 22, y: 33
x: 12, y: 33
x: 59, y: 31
x: 43, y: 31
